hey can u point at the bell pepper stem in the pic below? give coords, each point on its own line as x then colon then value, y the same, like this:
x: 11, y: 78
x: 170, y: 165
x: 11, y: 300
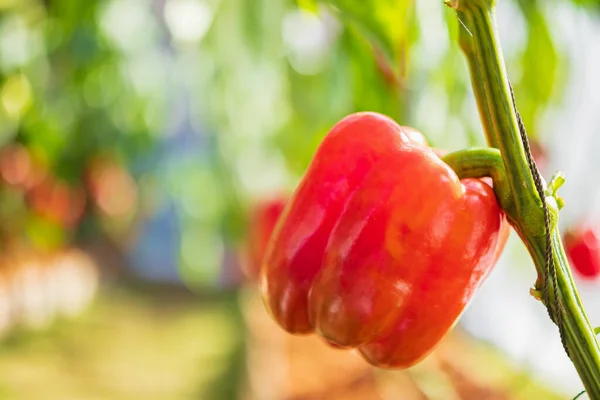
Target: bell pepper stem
x: 522, y: 203
x: 480, y: 162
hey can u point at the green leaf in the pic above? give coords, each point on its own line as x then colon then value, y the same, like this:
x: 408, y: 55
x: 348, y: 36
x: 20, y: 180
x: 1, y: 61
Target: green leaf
x: 387, y: 22
x: 539, y: 63
x: 308, y: 5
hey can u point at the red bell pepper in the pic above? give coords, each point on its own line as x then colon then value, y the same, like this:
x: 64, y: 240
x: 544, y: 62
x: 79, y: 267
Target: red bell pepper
x: 582, y: 246
x: 381, y: 246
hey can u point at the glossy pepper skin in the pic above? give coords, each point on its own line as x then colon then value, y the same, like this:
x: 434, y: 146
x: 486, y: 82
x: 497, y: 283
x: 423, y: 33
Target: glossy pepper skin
x: 381, y: 247
x: 582, y: 246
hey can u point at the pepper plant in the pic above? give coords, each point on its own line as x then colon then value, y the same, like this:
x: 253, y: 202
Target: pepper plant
x: 346, y: 261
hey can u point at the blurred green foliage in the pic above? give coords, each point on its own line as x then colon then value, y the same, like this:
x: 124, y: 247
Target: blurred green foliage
x: 257, y: 83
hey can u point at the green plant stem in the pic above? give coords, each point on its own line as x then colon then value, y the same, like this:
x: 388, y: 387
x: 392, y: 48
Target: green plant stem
x: 466, y: 44
x: 495, y: 105
x: 524, y: 210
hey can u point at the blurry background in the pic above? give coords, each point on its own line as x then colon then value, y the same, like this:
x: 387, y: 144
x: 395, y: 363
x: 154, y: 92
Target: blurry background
x: 138, y: 139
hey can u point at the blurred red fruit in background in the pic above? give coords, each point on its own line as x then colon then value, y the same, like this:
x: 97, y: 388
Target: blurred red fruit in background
x: 263, y: 218
x: 57, y: 201
x: 111, y: 187
x: 583, y: 249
